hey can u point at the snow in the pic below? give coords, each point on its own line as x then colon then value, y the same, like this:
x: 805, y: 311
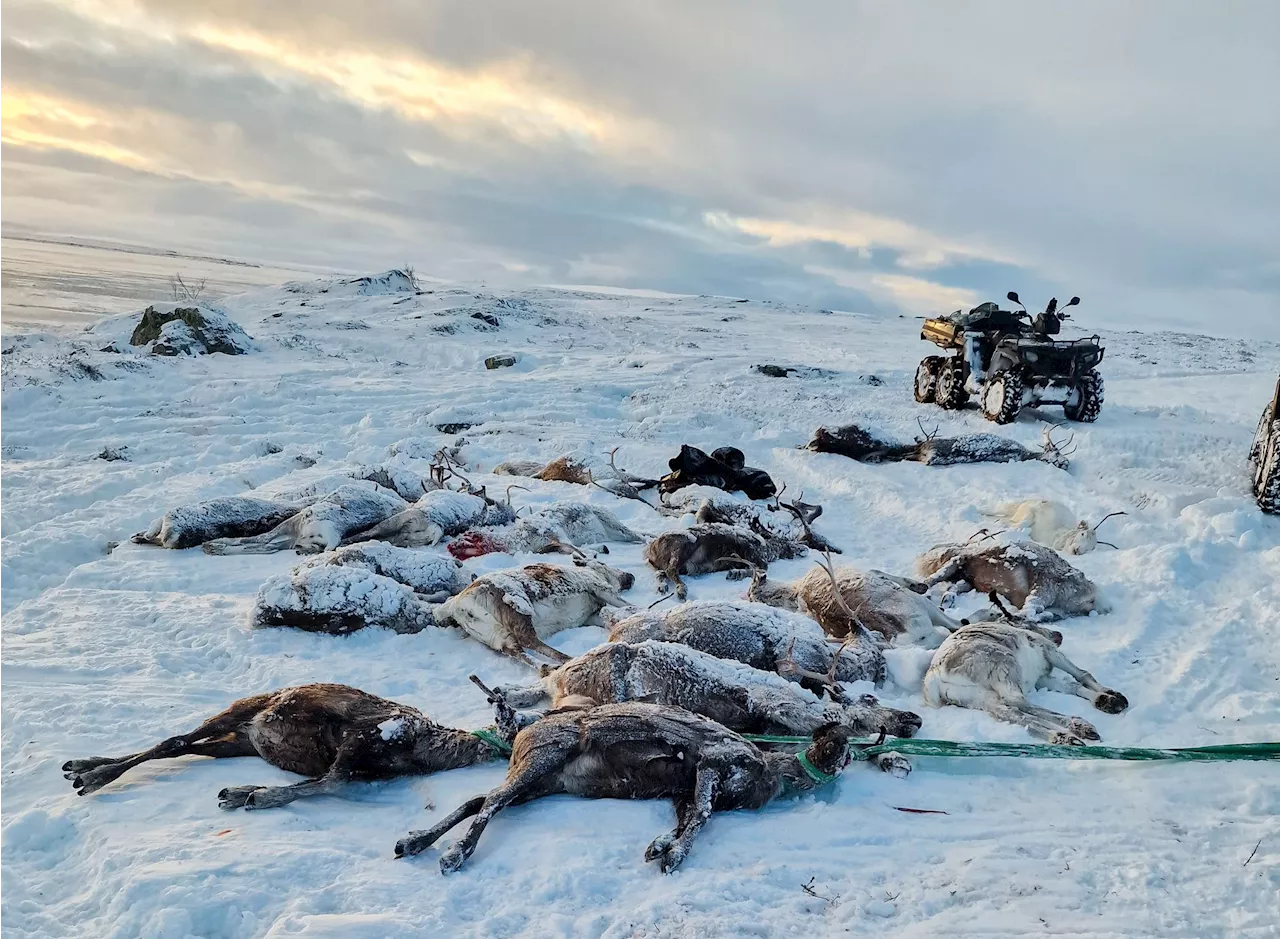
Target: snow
x: 108, y: 652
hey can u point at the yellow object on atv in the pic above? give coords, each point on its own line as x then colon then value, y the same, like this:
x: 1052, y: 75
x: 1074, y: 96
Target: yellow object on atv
x: 942, y: 332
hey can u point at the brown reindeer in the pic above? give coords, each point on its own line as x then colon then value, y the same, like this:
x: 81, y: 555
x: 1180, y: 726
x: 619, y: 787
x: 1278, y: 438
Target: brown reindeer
x: 334, y: 734
x: 709, y: 547
x: 891, y: 607
x: 641, y: 751
x: 1034, y: 577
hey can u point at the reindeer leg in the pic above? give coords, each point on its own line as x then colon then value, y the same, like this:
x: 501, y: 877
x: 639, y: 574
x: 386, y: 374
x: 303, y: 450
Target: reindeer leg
x: 671, y: 850
x: 219, y: 736
x: 418, y: 841
x: 555, y: 655
x: 947, y: 572
x: 1086, y: 686
x: 1039, y: 722
x: 524, y: 697
x: 1075, y: 726
x: 522, y: 786
x: 350, y: 751
x: 734, y: 568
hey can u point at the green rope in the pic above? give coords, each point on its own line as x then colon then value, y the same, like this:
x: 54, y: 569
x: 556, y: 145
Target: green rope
x: 817, y: 775
x: 1048, y: 751
x: 493, y: 740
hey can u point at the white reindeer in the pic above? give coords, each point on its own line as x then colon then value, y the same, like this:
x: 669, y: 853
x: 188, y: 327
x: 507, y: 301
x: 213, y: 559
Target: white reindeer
x: 993, y: 666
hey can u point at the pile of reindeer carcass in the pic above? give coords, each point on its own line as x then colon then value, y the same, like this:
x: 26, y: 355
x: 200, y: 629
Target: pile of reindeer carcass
x: 714, y: 704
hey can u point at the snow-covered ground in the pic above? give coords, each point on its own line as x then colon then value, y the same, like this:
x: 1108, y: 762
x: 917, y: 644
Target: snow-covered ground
x: 107, y: 652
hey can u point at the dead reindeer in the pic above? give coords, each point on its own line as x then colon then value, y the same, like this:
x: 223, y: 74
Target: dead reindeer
x: 845, y: 599
x: 515, y: 611
x: 1035, y: 578
x: 321, y: 526
x: 769, y: 639
x: 993, y: 666
x: 854, y: 442
x: 642, y: 751
x: 550, y: 529
x: 745, y: 699
x: 437, y: 514
x: 564, y: 469
x: 1052, y: 524
x: 334, y: 734
x: 338, y: 600
x: 226, y: 517
x: 433, y: 578
x: 711, y: 547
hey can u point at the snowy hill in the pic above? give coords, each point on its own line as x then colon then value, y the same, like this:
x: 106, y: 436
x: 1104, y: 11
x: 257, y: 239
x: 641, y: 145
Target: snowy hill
x: 109, y: 651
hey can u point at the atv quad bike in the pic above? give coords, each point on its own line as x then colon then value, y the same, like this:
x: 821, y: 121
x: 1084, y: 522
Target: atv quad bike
x: 1010, y: 361
x: 1265, y: 456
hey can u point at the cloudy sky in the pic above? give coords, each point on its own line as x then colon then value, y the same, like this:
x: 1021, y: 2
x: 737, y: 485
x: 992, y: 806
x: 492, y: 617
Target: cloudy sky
x: 908, y: 157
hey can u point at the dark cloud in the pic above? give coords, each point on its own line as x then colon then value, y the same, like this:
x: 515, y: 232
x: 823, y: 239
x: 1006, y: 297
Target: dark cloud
x: 864, y: 156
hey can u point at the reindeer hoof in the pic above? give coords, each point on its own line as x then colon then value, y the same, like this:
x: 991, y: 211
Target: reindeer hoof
x: 452, y: 860
x: 669, y: 855
x: 414, y: 843
x: 737, y: 573
x: 1062, y: 738
x: 1111, y: 702
x: 1083, y: 729
x: 236, y: 797
x: 658, y: 847
x: 895, y: 764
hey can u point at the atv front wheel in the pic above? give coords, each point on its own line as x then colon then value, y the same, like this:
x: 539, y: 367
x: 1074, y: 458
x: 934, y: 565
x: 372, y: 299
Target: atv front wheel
x: 1002, y: 397
x: 949, y: 392
x: 1088, y: 399
x: 1266, y: 464
x: 927, y: 378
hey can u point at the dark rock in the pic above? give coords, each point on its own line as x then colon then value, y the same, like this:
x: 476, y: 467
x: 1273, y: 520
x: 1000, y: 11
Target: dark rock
x: 487, y: 318
x: 205, y: 330
x: 499, y: 361
x: 774, y: 371
x: 456, y: 427
x: 112, y: 454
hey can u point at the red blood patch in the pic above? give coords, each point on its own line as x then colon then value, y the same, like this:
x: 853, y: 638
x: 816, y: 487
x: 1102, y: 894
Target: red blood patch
x: 472, y: 544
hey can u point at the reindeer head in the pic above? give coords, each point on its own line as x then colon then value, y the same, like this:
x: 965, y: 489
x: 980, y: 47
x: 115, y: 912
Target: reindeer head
x: 1054, y: 452
x: 772, y: 593
x: 617, y: 579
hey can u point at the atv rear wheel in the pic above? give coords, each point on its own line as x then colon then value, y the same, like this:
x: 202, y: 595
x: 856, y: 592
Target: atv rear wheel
x: 927, y: 378
x: 1088, y: 398
x: 1002, y: 396
x: 1266, y: 463
x: 949, y: 392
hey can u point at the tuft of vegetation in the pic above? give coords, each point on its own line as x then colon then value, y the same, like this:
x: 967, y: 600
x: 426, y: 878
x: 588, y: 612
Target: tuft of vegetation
x: 190, y: 292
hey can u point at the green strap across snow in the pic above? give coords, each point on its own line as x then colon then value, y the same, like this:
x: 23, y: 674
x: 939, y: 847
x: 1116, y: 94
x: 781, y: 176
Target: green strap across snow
x: 493, y: 740
x: 817, y: 775
x: 1048, y: 751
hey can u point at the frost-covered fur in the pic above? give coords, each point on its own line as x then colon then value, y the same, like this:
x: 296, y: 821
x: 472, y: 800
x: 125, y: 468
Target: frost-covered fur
x: 514, y: 611
x: 1035, y: 578
x: 712, y: 547
x: 763, y: 637
x: 891, y: 607
x: 333, y: 733
x: 432, y: 577
x: 639, y: 751
x: 437, y: 514
x: 742, y: 698
x: 339, y: 600
x: 994, y: 666
x: 322, y: 525
x: 557, y: 527
x: 227, y: 517
x: 1049, y: 523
